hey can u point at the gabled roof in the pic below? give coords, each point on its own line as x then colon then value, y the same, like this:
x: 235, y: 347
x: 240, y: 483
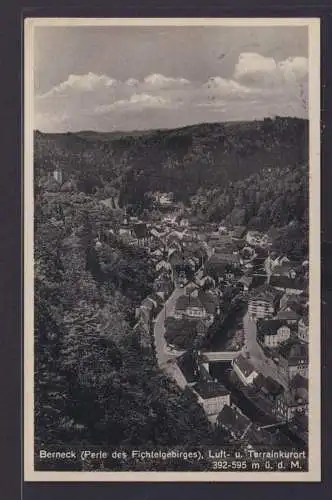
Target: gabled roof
x: 244, y: 365
x: 233, y: 419
x: 284, y: 269
x: 148, y: 303
x: 239, y: 231
x: 185, y: 301
x: 269, y: 327
x: 287, y: 315
x: 285, y: 282
x: 246, y: 280
x: 295, y: 352
x: 188, y: 365
x: 265, y: 292
x: 268, y: 385
x: 209, y: 389
x: 224, y: 258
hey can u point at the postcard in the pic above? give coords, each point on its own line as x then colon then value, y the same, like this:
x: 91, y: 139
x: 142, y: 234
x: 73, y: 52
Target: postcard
x: 172, y: 249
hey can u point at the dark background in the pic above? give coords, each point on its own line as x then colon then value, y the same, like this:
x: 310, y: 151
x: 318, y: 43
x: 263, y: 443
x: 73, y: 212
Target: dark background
x: 11, y: 333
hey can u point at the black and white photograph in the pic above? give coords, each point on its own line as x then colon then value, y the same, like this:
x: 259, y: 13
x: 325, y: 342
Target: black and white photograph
x: 172, y: 235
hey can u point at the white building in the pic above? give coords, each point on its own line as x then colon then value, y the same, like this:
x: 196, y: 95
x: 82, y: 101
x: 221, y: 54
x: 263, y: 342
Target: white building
x: 244, y: 370
x: 212, y: 396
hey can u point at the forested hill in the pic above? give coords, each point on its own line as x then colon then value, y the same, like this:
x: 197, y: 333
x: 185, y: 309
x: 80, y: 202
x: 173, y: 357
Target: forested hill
x: 180, y: 160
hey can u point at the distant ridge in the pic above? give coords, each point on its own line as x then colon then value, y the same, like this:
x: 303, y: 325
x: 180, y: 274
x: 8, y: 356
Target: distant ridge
x: 158, y: 130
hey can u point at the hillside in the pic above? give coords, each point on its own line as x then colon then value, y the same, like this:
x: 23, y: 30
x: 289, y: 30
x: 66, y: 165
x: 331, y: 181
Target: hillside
x: 180, y: 160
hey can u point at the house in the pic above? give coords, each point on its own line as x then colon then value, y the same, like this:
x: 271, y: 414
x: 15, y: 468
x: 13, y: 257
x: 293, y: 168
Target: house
x: 218, y: 263
x: 125, y: 230
x: 210, y: 302
x: 288, y: 285
x: 226, y: 248
x: 204, y: 305
x: 144, y: 335
x: 244, y: 370
x: 254, y: 238
x: 269, y: 388
x: 188, y: 306
x: 233, y: 421
x: 146, y: 311
x: 157, y: 254
x: 184, y: 222
x: 262, y: 303
x: 188, y: 365
x: 163, y: 265
x: 296, y: 303
x: 163, y: 285
x: 293, y: 401
x: 286, y: 269
x: 246, y: 282
x: 238, y: 232
x: 212, y: 395
x: 222, y: 229
x: 293, y: 359
x: 288, y: 315
x: 272, y: 332
x: 303, y: 329
x: 176, y: 259
x: 206, y: 282
x: 141, y: 233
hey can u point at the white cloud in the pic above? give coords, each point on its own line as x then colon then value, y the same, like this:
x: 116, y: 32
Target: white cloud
x: 294, y: 69
x: 225, y: 86
x: 136, y: 100
x: 255, y: 69
x: 86, y: 83
x: 132, y: 82
x: 161, y: 81
x: 257, y: 86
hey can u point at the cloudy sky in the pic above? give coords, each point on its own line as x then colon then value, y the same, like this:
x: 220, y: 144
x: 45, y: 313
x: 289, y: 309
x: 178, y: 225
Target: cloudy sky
x: 135, y: 77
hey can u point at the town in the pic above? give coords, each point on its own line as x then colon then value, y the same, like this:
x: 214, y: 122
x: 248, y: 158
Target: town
x: 227, y: 320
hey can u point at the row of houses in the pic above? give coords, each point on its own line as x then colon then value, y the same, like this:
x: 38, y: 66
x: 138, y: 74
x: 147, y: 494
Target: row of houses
x: 270, y: 396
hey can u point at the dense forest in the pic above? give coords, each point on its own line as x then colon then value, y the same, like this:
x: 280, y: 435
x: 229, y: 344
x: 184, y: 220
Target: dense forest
x: 181, y: 160
x: 90, y: 387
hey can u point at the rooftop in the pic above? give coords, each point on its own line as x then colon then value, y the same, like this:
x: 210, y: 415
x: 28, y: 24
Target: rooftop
x: 265, y: 292
x: 224, y: 258
x: 295, y: 352
x: 239, y: 231
x: 244, y: 365
x: 269, y: 327
x: 285, y: 282
x: 210, y: 389
x: 231, y: 417
x: 188, y: 365
x: 287, y: 315
x: 185, y: 301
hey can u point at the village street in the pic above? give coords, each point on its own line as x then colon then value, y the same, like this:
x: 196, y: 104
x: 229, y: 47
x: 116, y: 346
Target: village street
x: 262, y: 363
x: 162, y: 352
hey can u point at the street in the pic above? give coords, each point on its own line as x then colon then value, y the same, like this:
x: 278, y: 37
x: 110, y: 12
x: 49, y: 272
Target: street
x: 162, y: 352
x: 262, y: 363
